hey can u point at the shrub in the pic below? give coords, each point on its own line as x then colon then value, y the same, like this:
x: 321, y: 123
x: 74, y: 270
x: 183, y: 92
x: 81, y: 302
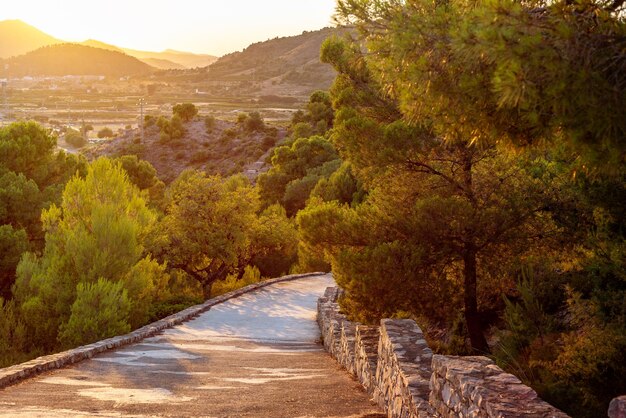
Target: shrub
x: 209, y: 123
x: 101, y: 310
x: 185, y: 111
x: 105, y: 133
x: 251, y: 275
x: 75, y: 138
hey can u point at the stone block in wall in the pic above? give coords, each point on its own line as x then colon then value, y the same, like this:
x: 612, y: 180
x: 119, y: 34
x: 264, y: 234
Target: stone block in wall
x: 617, y: 407
x: 476, y: 387
x: 347, y: 354
x: 366, y: 355
x: 401, y: 383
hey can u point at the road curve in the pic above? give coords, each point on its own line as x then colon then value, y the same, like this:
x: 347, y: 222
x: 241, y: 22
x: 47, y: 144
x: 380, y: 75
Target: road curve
x: 257, y: 355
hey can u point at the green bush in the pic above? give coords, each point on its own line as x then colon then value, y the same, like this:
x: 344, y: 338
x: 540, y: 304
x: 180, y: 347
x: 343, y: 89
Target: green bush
x: 101, y: 310
x: 75, y: 138
x: 105, y: 133
x: 209, y: 123
x: 185, y: 111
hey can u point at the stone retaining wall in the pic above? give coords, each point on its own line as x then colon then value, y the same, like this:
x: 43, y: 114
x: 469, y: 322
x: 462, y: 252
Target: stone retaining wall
x: 397, y: 368
x: 403, y: 371
x: 18, y: 372
x: 476, y: 387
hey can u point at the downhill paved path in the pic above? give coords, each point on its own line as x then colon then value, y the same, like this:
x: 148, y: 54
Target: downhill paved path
x: 255, y: 355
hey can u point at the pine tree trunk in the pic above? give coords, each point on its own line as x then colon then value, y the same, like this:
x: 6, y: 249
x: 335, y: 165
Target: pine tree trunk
x: 472, y: 320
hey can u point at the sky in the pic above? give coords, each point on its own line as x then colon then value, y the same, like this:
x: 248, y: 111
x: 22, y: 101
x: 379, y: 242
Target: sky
x: 214, y: 27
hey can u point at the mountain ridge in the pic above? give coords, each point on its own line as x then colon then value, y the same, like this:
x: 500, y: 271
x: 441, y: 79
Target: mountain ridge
x: 24, y: 38
x: 74, y: 59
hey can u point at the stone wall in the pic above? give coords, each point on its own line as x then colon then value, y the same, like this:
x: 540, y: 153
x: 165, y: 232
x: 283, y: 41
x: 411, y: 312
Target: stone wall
x: 476, y: 387
x: 14, y: 374
x: 397, y: 368
x: 392, y: 362
x: 403, y: 371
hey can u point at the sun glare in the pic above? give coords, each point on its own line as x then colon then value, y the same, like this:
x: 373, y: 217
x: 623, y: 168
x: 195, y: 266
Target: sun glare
x: 195, y: 25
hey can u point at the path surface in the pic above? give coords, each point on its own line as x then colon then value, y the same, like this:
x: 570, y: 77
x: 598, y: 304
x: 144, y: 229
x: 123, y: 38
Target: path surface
x: 254, y: 356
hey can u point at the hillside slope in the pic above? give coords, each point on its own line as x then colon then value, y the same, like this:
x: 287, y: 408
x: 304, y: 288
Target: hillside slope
x: 287, y: 61
x: 17, y: 38
x: 74, y: 59
x: 216, y: 152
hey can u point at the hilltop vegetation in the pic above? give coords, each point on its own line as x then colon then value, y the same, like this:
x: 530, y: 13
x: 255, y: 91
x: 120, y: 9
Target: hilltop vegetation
x: 73, y: 59
x: 185, y: 141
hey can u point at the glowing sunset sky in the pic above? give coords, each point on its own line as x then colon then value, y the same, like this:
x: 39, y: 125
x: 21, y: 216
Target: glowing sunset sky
x: 203, y: 26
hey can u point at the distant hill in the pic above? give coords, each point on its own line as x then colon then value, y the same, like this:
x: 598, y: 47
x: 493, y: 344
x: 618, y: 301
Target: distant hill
x: 17, y: 38
x: 185, y: 59
x: 288, y: 65
x: 74, y: 59
x: 97, y: 44
x: 168, y: 59
x: 162, y: 64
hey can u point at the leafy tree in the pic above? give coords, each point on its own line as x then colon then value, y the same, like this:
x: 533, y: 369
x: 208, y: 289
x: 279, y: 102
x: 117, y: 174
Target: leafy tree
x: 20, y: 202
x: 320, y: 112
x: 341, y: 186
x: 140, y: 172
x: 27, y: 148
x: 254, y: 122
x: 32, y: 176
x: 105, y: 133
x: 301, y: 130
x: 317, y: 119
x: 149, y: 120
x: 457, y: 201
x: 147, y: 283
x: 185, y: 111
x: 242, y: 118
x: 294, y: 162
x: 143, y: 175
x: 297, y: 191
x: 534, y: 73
x: 482, y: 75
x: 209, y: 248
x: 273, y: 242
x: 95, y: 234
x: 171, y: 129
x: 85, y: 129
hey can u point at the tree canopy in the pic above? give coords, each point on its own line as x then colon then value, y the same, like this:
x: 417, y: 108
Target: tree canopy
x: 93, y: 240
